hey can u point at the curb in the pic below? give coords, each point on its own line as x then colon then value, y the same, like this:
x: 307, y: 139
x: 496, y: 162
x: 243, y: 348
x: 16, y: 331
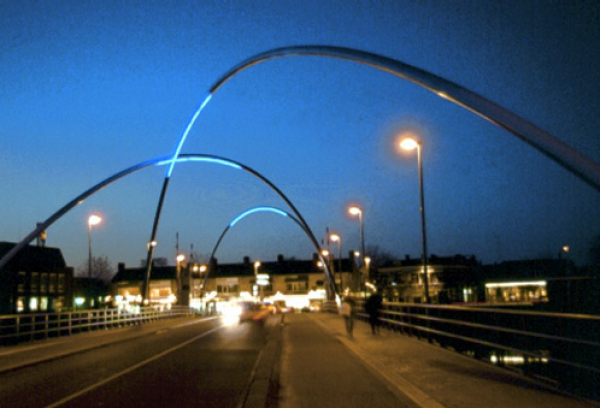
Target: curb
x: 402, y: 388
x: 264, y: 383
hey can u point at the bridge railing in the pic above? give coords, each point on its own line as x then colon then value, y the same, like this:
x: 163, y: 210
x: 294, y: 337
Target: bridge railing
x: 27, y: 327
x: 562, y: 349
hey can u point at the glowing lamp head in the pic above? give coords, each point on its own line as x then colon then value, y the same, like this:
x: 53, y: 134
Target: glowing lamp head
x: 334, y: 237
x: 325, y: 252
x: 94, y: 219
x: 256, y: 264
x: 203, y: 268
x: 367, y: 260
x: 409, y: 144
x: 180, y: 258
x: 354, y: 210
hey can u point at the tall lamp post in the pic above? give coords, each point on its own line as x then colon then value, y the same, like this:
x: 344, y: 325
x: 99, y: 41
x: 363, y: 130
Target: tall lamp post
x: 93, y: 219
x: 354, y: 210
x: 411, y: 144
x: 260, y: 291
x: 338, y: 239
x: 179, y: 259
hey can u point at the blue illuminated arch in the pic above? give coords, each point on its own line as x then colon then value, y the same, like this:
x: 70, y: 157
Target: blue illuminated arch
x: 160, y: 161
x: 560, y: 152
x: 244, y: 215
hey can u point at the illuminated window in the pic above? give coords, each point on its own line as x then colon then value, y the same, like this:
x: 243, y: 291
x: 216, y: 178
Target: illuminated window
x: 33, y: 304
x: 44, y: 303
x: 300, y: 286
x: 20, y: 305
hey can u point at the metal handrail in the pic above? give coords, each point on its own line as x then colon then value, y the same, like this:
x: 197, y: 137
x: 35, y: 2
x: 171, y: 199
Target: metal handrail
x: 568, y: 344
x: 23, y: 327
x: 491, y: 328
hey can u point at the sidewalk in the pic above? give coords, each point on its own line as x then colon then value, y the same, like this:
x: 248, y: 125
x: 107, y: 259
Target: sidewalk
x: 321, y: 366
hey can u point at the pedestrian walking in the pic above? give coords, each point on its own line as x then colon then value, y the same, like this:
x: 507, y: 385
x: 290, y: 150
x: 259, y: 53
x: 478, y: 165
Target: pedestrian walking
x: 372, y: 306
x: 347, y: 311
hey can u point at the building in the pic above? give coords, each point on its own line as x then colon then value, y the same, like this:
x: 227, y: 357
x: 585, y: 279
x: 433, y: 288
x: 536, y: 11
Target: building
x: 298, y: 283
x: 36, y: 279
x: 555, y: 285
x: 451, y: 280
x: 89, y: 293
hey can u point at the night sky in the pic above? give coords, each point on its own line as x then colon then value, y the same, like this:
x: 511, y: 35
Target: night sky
x: 90, y: 88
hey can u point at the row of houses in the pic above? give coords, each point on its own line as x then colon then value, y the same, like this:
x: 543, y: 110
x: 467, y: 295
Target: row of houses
x: 38, y: 280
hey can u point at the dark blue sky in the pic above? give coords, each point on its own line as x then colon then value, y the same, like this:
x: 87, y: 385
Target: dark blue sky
x: 90, y: 88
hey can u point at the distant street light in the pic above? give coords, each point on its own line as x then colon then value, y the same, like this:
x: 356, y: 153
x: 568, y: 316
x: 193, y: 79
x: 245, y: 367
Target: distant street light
x: 354, y: 210
x: 338, y: 239
x: 411, y: 144
x: 260, y: 288
x: 367, y: 266
x: 93, y: 219
x: 179, y: 259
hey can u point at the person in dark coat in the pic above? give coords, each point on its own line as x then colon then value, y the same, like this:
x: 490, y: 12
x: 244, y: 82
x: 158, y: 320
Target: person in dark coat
x: 372, y: 306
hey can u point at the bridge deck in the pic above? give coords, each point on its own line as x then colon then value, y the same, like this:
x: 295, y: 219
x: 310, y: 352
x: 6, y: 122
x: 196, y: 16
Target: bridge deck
x: 428, y: 375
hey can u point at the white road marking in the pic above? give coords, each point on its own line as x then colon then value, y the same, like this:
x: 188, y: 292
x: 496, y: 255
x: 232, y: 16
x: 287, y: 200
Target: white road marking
x: 130, y: 369
x: 20, y: 350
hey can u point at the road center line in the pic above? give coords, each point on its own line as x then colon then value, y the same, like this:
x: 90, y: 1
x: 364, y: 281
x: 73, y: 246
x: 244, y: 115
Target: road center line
x: 130, y: 369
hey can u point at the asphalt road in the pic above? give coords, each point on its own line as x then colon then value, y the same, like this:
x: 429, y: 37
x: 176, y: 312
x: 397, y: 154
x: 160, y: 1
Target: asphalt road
x: 199, y: 363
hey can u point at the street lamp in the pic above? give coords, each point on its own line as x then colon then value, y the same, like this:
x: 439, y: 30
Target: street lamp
x: 93, y: 219
x: 338, y: 239
x: 354, y: 210
x: 411, y: 144
x: 260, y: 288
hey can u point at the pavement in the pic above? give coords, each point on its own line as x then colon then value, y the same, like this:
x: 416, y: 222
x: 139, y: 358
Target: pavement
x: 309, y: 361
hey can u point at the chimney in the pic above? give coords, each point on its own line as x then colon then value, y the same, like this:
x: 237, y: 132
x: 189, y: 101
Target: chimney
x: 121, y: 267
x: 246, y: 260
x: 280, y: 258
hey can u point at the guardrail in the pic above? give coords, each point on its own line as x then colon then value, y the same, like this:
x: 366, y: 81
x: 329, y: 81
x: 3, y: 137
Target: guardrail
x: 562, y: 349
x: 27, y: 327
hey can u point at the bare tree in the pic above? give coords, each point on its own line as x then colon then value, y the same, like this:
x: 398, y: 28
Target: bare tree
x: 379, y: 257
x: 102, y: 269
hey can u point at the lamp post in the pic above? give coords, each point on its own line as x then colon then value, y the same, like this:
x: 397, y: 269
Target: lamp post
x: 179, y: 259
x: 93, y: 219
x: 260, y: 291
x: 354, y: 210
x: 411, y: 144
x: 338, y: 239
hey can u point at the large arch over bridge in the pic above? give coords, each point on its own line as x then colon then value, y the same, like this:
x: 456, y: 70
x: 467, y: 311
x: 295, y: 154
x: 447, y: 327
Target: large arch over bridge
x: 552, y: 147
x: 246, y: 213
x: 160, y: 161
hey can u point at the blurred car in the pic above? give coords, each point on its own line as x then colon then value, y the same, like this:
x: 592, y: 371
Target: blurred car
x: 251, y: 311
x: 281, y: 307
